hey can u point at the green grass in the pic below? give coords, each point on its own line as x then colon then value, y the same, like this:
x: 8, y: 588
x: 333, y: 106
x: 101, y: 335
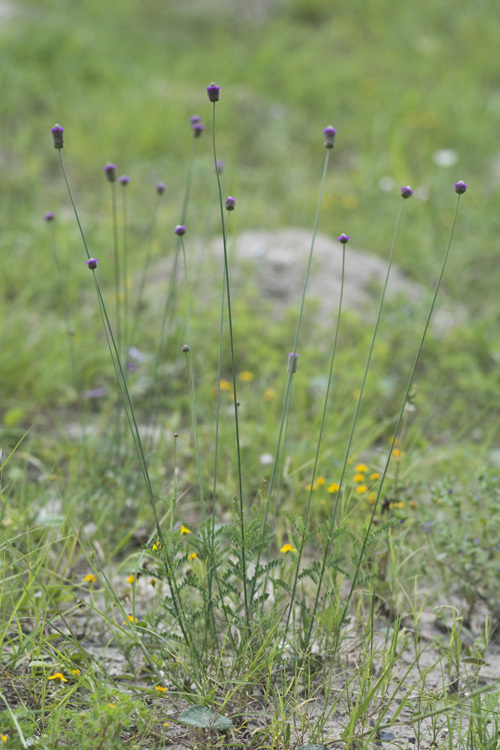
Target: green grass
x: 399, y: 82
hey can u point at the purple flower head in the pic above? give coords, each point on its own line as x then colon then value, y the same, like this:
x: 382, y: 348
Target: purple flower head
x: 160, y: 188
x: 329, y: 134
x: 49, y: 216
x: 110, y: 171
x: 92, y: 263
x: 230, y: 203
x: 57, y: 134
x: 179, y: 230
x: 124, y: 180
x: 136, y: 354
x: 343, y: 238
x: 213, y: 92
x: 220, y: 166
x: 95, y: 393
x: 460, y: 187
x: 406, y: 192
x: 197, y: 128
x: 292, y: 362
x: 185, y: 348
x: 194, y: 119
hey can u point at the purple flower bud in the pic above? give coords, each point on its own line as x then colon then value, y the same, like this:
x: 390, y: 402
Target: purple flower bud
x: 124, y: 180
x: 185, y: 348
x: 292, y: 362
x: 49, y: 216
x: 213, y: 92
x: 160, y: 188
x: 197, y: 128
x: 92, y: 263
x: 110, y: 171
x: 220, y: 166
x: 460, y: 187
x: 179, y: 230
x: 194, y: 119
x: 329, y: 134
x: 406, y: 192
x: 343, y: 238
x: 230, y: 203
x: 57, y: 133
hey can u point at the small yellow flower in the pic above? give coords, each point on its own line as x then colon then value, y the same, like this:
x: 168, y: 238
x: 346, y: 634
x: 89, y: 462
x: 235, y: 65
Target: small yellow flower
x: 269, y: 394
x: 397, y: 453
x: 131, y: 578
x: 361, y: 488
x: 313, y: 486
x: 334, y: 487
x: 399, y: 504
x: 4, y: 737
x: 111, y: 705
x: 90, y: 578
x: 152, y: 581
x: 75, y: 672
x: 372, y: 497
x: 320, y: 481
x: 156, y: 546
x: 225, y: 385
x: 374, y: 476
x: 160, y: 688
x: 413, y: 504
x: 359, y: 477
x: 185, y: 530
x: 246, y: 376
x: 58, y: 676
x: 193, y: 556
x: 131, y: 618
x: 361, y: 467
x: 288, y: 548
x: 166, y: 724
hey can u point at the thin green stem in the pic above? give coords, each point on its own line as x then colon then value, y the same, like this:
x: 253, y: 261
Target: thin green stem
x: 116, y: 257
x: 353, y: 426
x: 193, y: 388
x: 238, y: 452
x: 318, y: 446
x: 401, y: 414
x: 145, y: 268
x: 126, y: 311
x: 286, y: 404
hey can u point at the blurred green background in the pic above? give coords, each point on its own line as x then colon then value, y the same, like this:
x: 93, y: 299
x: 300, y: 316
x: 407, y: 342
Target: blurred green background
x: 412, y: 88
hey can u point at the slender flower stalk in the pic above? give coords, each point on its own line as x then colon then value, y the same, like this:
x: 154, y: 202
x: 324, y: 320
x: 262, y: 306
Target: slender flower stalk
x: 110, y: 172
x: 124, y: 181
x: 343, y: 239
x: 129, y: 411
x: 282, y: 432
x: 460, y: 189
x: 180, y: 232
x: 404, y: 194
x: 213, y: 95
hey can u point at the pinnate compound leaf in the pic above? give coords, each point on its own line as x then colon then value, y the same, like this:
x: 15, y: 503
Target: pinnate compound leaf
x: 202, y: 717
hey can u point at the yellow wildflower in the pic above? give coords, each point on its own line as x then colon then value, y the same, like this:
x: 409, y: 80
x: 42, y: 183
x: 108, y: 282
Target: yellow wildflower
x: 156, y: 546
x: 359, y: 477
x: 399, y: 504
x: 4, y: 737
x: 193, y: 556
x: 374, y: 476
x: 131, y: 578
x: 58, y: 676
x: 334, y: 487
x: 397, y: 453
x: 320, y: 481
x: 90, y: 578
x: 288, y: 548
x: 131, y: 619
x: 225, y: 385
x: 361, y: 488
x: 76, y: 672
x: 313, y: 486
x: 246, y: 376
x: 372, y: 497
x: 361, y: 467
x: 166, y: 724
x: 185, y: 530
x: 160, y: 688
x: 269, y: 394
x: 111, y: 705
x: 152, y: 581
